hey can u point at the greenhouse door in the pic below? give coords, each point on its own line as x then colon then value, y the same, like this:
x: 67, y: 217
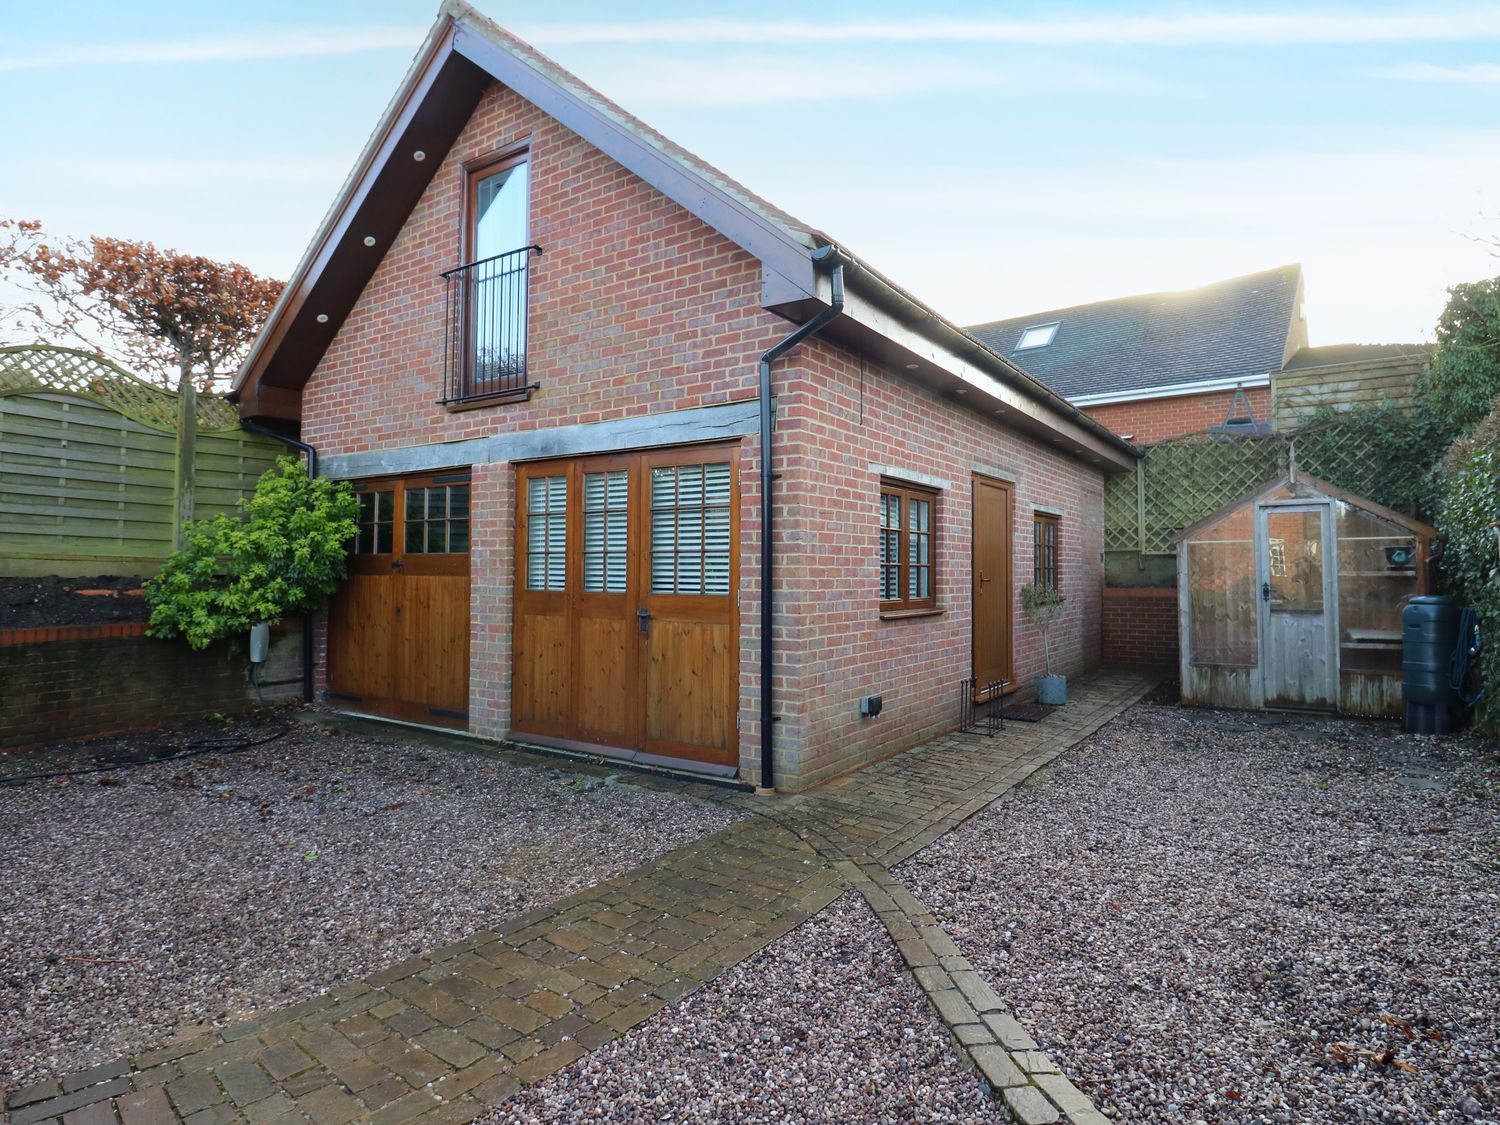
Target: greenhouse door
x: 1297, y: 663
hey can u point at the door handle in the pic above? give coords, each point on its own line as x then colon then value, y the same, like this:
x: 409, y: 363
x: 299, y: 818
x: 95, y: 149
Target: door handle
x: 643, y: 617
x: 983, y: 578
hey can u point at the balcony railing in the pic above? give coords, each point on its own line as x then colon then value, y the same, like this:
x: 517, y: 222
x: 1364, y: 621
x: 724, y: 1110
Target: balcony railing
x: 485, y: 318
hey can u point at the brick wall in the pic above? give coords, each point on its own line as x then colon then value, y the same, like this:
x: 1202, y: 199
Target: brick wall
x: 79, y: 681
x: 837, y: 414
x: 1140, y: 628
x: 1156, y: 419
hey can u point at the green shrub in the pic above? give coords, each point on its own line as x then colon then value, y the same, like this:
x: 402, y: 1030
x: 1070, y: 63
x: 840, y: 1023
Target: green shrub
x: 1465, y: 377
x: 285, y: 556
x: 1469, y: 506
x: 1044, y: 605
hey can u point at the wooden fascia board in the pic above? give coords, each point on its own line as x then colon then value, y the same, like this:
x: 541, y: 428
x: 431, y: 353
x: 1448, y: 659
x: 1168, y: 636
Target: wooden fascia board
x: 335, y: 226
x: 984, y: 392
x: 788, y: 272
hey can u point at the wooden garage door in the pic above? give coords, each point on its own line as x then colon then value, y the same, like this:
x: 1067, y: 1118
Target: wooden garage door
x: 398, y: 634
x: 627, y: 575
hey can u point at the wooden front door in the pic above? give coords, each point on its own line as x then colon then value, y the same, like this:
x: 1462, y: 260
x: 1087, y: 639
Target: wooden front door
x: 1298, y: 666
x: 398, y: 630
x: 627, y: 578
x: 992, y: 582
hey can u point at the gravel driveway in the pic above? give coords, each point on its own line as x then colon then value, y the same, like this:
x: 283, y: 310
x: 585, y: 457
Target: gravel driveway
x: 823, y: 1026
x: 203, y: 889
x: 1209, y: 918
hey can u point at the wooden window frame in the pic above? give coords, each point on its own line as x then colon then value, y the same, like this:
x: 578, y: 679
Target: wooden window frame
x: 474, y: 172
x: 906, y: 605
x: 1039, y: 563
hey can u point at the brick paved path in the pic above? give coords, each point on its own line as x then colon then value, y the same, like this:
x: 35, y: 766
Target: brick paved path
x: 436, y: 1038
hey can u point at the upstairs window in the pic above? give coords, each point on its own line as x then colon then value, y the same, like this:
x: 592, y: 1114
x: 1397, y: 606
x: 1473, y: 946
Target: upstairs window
x: 487, y: 296
x: 908, y: 547
x: 1037, y: 336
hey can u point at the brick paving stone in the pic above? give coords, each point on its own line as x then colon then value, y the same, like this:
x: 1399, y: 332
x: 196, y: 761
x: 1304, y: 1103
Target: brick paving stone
x: 331, y: 1105
x: 276, y: 1106
x: 549, y: 1003
x: 95, y: 1074
x: 284, y: 1058
x: 1029, y: 1106
x: 453, y: 1048
x: 100, y: 1113
x: 195, y: 1091
x: 383, y: 1093
x: 221, y: 1114
x: 418, y: 1067
x: 998, y: 1067
x: 553, y: 1058
x: 410, y: 1021
x: 406, y: 1108
x: 307, y: 1081
x: 37, y: 1092
x: 244, y: 1082
x: 145, y: 1107
x: 360, y: 1074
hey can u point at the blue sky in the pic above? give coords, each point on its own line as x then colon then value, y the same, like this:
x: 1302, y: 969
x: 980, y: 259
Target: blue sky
x: 996, y: 159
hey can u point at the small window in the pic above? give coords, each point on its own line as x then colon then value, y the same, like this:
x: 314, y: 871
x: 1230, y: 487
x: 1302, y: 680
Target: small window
x: 437, y: 520
x: 691, y: 518
x: 1044, y: 560
x: 908, y: 547
x: 376, y: 520
x: 547, y: 533
x: 1037, y: 336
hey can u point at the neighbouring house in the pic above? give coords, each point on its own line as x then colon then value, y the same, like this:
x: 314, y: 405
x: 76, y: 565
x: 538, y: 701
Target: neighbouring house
x: 552, y: 350
x: 1156, y: 365
x: 1231, y: 355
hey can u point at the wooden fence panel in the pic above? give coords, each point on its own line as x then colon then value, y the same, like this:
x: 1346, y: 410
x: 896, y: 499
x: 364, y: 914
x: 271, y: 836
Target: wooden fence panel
x: 90, y: 480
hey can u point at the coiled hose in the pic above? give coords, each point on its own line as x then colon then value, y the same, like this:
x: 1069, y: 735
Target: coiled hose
x: 1468, y: 647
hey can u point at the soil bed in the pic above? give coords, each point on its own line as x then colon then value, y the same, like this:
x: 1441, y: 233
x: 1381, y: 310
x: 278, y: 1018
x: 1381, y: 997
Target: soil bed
x: 1214, y: 917
x: 823, y: 1026
x: 203, y: 889
x: 27, y: 603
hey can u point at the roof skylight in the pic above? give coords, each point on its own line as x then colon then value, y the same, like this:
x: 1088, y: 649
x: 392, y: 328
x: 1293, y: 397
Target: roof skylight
x: 1037, y: 336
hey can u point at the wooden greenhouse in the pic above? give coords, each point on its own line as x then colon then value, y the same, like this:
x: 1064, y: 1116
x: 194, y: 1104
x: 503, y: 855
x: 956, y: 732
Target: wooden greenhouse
x: 1292, y: 596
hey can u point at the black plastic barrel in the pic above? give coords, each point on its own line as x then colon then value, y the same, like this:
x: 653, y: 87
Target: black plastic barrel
x: 1429, y: 634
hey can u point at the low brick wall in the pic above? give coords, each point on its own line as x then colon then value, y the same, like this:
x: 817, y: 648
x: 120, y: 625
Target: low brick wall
x: 1140, y: 628
x: 78, y: 681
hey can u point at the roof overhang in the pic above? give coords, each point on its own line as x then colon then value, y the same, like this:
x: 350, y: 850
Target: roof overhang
x: 1172, y: 390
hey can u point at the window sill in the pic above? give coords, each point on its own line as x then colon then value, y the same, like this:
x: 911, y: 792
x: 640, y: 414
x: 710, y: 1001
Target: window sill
x: 479, y: 402
x: 904, y: 614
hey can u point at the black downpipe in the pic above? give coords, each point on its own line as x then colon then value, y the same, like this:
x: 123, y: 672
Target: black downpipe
x: 767, y: 506
x: 307, y: 621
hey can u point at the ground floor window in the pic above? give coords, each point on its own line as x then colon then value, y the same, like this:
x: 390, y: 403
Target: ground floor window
x: 1044, y: 560
x: 908, y: 547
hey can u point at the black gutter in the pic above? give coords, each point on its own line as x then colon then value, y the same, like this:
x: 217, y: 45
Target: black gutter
x: 767, y: 507
x: 307, y: 621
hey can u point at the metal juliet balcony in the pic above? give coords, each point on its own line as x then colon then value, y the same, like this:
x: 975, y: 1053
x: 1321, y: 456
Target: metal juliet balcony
x: 484, y: 312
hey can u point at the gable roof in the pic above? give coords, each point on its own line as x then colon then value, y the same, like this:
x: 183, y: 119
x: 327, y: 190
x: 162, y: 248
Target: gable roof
x: 463, y: 55
x: 1229, y: 331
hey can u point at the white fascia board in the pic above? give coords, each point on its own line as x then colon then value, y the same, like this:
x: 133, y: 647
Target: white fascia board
x: 1173, y: 390
x: 984, y: 388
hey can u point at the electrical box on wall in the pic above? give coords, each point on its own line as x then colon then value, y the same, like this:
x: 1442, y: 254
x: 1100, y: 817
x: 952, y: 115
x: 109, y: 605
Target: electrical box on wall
x: 869, y: 705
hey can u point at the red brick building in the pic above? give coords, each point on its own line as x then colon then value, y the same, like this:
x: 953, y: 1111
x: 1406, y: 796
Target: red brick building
x: 544, y: 342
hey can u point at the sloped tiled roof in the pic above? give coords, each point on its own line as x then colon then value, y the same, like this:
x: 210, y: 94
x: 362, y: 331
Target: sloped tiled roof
x: 1334, y: 354
x: 1230, y: 329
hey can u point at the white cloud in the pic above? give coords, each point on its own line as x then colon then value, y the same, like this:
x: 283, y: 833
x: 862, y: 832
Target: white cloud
x: 1480, y: 73
x: 1283, y: 28
x: 284, y: 44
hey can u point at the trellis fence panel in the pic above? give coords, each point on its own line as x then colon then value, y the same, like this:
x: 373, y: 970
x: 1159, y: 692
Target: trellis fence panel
x: 1179, y: 482
x: 98, y: 469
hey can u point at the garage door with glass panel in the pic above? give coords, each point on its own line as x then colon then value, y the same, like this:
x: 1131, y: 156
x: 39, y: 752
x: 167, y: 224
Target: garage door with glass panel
x: 626, y: 623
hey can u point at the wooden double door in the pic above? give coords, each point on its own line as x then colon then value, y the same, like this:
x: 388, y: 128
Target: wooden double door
x: 626, y: 604
x: 398, y: 630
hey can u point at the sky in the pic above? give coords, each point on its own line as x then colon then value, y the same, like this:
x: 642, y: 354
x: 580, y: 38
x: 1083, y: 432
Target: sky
x: 996, y: 159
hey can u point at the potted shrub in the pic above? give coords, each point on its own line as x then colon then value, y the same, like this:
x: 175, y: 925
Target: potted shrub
x: 1043, y: 605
